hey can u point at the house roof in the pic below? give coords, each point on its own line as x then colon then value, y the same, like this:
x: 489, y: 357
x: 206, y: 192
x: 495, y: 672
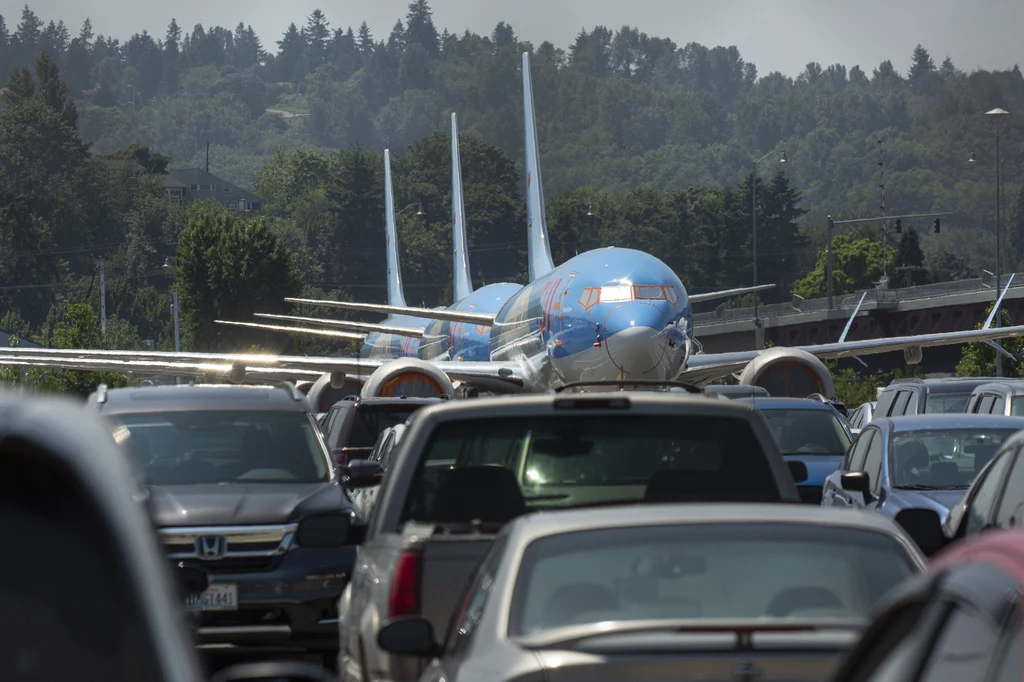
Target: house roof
x: 225, y: 191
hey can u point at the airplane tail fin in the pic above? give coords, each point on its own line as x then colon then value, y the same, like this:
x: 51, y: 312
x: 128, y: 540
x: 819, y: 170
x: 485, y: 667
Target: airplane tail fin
x: 463, y: 282
x: 537, y: 224
x: 396, y: 295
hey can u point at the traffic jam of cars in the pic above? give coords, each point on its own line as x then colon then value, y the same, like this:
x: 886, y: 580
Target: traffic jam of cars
x: 651, y: 533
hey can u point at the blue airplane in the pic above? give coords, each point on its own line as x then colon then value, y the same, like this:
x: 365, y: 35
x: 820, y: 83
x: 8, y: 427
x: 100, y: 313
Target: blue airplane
x: 610, y: 314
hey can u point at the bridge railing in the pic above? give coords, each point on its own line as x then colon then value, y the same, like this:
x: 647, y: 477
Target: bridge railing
x: 849, y: 302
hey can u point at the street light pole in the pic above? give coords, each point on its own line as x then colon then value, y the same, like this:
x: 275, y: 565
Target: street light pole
x: 758, y: 327
x: 997, y: 116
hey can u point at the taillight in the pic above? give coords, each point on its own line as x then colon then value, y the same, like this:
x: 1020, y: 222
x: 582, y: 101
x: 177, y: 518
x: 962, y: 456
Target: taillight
x: 405, y: 587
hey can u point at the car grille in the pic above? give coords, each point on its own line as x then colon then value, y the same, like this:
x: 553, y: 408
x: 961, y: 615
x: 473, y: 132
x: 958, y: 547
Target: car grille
x: 810, y: 494
x: 228, y: 549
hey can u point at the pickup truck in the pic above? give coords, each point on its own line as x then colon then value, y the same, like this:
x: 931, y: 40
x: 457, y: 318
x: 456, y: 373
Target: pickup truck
x: 464, y: 469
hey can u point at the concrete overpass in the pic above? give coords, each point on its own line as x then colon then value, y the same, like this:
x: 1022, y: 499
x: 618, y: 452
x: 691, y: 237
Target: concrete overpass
x: 943, y: 307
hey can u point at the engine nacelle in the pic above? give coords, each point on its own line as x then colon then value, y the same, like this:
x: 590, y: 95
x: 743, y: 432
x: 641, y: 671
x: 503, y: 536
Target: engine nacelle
x: 408, y: 377
x: 327, y: 390
x: 788, y: 372
x: 913, y: 355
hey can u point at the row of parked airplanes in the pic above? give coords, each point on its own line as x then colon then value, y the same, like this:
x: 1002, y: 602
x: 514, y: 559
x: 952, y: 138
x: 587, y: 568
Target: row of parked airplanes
x: 609, y: 314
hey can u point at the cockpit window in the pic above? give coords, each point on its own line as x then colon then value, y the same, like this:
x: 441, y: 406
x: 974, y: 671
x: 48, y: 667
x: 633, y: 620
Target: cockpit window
x: 649, y: 293
x: 616, y: 293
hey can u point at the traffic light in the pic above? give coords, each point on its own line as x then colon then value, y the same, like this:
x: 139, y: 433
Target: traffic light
x: 899, y: 226
x: 935, y: 226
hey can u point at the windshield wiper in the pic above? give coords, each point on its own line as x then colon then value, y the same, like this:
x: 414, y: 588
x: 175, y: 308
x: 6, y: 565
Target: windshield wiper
x: 916, y: 486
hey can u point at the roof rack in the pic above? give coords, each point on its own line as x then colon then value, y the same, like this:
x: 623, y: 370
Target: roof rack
x: 907, y: 380
x: 639, y: 383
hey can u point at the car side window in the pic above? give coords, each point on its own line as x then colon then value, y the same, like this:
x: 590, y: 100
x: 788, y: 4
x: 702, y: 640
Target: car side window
x: 979, y: 510
x: 873, y: 462
x: 855, y: 461
x: 890, y: 657
x: 965, y: 643
x: 388, y: 449
x: 465, y: 621
x: 854, y: 420
x: 912, y: 402
x: 985, y: 404
x: 998, y: 404
x: 899, y: 406
x: 1011, y: 505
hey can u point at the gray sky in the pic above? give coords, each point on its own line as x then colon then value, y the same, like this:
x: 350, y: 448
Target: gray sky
x: 777, y: 35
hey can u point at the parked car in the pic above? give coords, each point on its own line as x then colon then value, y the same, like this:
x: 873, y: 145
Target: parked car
x: 961, y: 620
x: 922, y: 462
x: 241, y: 485
x: 1004, y: 396
x: 465, y: 468
x: 809, y: 431
x: 635, y: 593
x: 926, y: 396
x: 995, y: 500
x: 861, y: 417
x: 352, y: 426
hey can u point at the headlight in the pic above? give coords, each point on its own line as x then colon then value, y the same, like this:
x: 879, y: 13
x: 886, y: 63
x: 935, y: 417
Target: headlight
x: 327, y: 530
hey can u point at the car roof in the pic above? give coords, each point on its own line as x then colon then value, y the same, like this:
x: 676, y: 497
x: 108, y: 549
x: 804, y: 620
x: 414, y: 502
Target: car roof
x: 786, y: 404
x: 1004, y: 550
x: 958, y: 420
x: 404, y: 400
x: 1014, y: 385
x: 544, y: 523
x: 603, y: 402
x: 189, y: 397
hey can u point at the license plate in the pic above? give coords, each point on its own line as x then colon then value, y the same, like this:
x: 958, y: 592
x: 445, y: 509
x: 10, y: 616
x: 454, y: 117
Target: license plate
x: 216, y: 597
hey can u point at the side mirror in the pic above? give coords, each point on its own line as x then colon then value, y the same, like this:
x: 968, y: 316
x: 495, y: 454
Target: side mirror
x: 798, y: 469
x: 275, y: 670
x: 856, y: 482
x: 192, y: 580
x: 924, y: 526
x: 364, y: 474
x: 411, y: 636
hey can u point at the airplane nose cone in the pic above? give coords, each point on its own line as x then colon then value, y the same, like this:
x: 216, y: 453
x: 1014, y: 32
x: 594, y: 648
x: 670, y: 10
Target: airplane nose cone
x: 635, y: 340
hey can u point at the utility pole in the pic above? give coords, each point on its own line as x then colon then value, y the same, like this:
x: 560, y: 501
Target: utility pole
x: 885, y: 247
x: 177, y: 334
x: 103, y: 299
x: 997, y: 116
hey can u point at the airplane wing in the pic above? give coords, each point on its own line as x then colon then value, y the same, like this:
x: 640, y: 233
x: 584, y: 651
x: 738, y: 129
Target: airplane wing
x: 347, y: 324
x: 294, y: 330
x: 728, y: 293
x: 706, y: 367
x: 499, y: 377
x: 427, y: 313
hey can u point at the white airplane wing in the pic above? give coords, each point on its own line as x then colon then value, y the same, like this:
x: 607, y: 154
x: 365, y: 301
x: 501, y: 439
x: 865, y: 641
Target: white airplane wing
x: 705, y: 367
x: 427, y: 313
x: 294, y: 330
x: 728, y: 293
x: 346, y: 324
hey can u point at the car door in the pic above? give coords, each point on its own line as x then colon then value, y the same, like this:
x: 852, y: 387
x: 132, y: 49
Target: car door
x: 981, y: 505
x: 963, y: 647
x: 1010, y: 508
x: 874, y: 461
x: 833, y: 494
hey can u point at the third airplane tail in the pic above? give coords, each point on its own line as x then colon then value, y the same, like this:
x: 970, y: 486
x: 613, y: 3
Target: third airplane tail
x: 537, y: 224
x: 463, y: 280
x: 396, y: 294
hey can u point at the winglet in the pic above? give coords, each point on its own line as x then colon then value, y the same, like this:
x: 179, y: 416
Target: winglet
x: 396, y: 295
x: 463, y: 282
x: 539, y: 247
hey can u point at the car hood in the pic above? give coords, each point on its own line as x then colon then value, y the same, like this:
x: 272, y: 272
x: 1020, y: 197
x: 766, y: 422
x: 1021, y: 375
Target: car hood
x: 818, y: 467
x: 939, y: 501
x: 218, y: 504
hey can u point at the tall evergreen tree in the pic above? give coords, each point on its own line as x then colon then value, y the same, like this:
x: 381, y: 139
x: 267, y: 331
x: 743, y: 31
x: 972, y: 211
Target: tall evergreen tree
x: 365, y: 39
x: 420, y: 28
x: 947, y: 69
x: 28, y: 37
x: 317, y: 33
x: 291, y: 57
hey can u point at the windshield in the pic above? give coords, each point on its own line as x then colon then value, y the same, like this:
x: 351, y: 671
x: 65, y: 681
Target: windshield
x: 946, y: 458
x: 370, y: 421
x: 493, y: 469
x: 716, y: 571
x: 946, y: 403
x: 807, y: 432
x: 224, y: 447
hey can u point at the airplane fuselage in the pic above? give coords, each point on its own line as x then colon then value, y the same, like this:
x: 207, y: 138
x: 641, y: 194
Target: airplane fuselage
x: 381, y: 346
x: 465, y: 341
x: 606, y: 314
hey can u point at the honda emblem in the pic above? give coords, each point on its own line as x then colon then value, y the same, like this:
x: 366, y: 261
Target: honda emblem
x: 211, y: 546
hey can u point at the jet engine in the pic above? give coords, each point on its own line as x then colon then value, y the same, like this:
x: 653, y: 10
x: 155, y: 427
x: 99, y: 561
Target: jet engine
x: 788, y: 372
x: 330, y: 388
x: 408, y: 377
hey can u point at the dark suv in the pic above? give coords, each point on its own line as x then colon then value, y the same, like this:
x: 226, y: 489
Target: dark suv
x: 351, y: 427
x: 241, y: 485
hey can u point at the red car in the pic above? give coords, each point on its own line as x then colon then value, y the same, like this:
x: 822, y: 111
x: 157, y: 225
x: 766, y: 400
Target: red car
x: 961, y: 620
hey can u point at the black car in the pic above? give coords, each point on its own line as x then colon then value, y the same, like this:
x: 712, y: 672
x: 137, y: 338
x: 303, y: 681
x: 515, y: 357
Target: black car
x: 904, y: 397
x: 240, y: 484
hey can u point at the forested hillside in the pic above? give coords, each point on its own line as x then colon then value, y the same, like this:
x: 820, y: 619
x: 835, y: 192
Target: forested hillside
x: 645, y: 143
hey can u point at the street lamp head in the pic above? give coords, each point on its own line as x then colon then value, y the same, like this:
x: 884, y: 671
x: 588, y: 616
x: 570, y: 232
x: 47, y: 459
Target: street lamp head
x: 997, y: 113
x: 420, y: 211
x: 974, y: 157
x: 783, y: 159
x: 590, y: 211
